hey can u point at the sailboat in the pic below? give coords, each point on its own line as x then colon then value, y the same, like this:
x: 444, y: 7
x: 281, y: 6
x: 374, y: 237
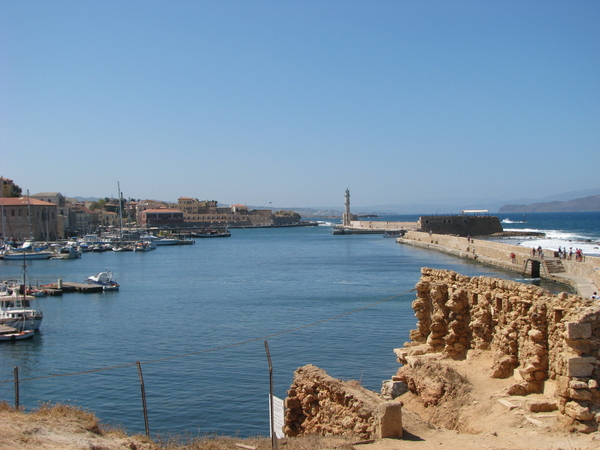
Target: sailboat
x: 15, y: 306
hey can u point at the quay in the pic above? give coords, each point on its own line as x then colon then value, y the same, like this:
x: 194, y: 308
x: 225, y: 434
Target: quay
x: 582, y: 276
x: 66, y: 287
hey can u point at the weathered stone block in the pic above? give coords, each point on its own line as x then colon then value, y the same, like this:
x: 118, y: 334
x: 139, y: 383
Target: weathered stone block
x: 388, y: 420
x: 580, y: 367
x: 540, y: 405
x: 577, y: 411
x: 391, y: 389
x: 576, y: 330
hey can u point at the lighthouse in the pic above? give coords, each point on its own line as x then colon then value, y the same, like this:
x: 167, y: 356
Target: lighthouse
x: 347, y: 216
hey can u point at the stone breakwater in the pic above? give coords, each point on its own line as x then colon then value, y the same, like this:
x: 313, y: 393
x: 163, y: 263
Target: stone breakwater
x: 583, y: 277
x: 547, y: 343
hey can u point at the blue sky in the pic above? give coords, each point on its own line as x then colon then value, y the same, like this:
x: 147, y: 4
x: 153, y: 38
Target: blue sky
x: 292, y: 102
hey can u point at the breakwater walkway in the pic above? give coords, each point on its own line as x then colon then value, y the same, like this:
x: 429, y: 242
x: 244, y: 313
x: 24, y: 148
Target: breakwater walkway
x: 582, y: 276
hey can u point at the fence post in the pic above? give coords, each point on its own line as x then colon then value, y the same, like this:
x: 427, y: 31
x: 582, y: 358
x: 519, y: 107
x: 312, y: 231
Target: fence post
x: 16, y: 375
x: 273, y: 434
x: 143, y: 398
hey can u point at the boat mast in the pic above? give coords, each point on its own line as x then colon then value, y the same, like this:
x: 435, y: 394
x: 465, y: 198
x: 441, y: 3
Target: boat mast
x: 120, y: 211
x: 29, y: 215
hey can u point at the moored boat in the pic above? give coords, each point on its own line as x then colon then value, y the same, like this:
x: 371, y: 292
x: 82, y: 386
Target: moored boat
x: 67, y: 252
x: 144, y: 246
x: 28, y: 255
x: 16, y: 310
x: 104, y: 279
x: 209, y: 233
x: 12, y: 334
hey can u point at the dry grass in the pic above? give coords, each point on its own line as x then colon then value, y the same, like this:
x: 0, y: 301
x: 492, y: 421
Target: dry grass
x: 74, y: 420
x: 87, y: 420
x: 259, y: 443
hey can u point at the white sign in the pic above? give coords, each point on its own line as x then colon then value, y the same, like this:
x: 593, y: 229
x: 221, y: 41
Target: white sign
x: 278, y: 417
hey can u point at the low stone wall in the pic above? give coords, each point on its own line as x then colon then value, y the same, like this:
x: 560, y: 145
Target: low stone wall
x: 381, y: 225
x: 320, y: 404
x: 539, y: 338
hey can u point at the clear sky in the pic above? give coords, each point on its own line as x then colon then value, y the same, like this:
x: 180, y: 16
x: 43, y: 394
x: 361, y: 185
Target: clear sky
x: 292, y: 102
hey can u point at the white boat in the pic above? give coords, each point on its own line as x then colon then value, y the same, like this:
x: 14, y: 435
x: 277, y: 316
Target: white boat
x: 12, y: 334
x: 28, y: 255
x: 67, y: 252
x: 157, y: 240
x: 16, y: 310
x: 104, y: 279
x: 144, y: 246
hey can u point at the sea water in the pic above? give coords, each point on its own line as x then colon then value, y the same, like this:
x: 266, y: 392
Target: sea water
x: 197, y: 317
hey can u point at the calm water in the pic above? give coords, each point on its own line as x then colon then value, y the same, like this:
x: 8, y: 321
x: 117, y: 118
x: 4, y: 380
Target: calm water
x: 219, y: 292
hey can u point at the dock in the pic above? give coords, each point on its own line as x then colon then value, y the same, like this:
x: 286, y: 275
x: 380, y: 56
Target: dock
x: 68, y: 287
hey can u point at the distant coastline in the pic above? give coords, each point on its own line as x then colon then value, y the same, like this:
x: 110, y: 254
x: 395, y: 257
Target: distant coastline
x: 586, y: 204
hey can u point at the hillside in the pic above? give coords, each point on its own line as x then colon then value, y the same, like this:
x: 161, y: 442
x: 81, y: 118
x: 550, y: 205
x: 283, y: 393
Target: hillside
x: 586, y: 204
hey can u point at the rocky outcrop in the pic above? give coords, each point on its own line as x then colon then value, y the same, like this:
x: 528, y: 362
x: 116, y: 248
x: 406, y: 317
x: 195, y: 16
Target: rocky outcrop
x: 536, y: 337
x: 320, y: 404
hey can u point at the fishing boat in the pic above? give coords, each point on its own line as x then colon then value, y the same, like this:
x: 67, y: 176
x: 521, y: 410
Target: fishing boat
x: 27, y: 251
x: 393, y: 234
x: 67, y: 252
x: 159, y: 240
x: 144, y: 246
x: 104, y: 279
x: 16, y: 310
x: 12, y: 334
x: 209, y: 233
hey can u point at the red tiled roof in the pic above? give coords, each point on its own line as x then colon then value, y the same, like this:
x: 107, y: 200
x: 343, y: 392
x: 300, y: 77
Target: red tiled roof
x: 161, y: 210
x: 23, y: 201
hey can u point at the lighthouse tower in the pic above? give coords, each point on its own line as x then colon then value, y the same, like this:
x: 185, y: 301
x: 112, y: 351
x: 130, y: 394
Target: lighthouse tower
x: 347, y: 216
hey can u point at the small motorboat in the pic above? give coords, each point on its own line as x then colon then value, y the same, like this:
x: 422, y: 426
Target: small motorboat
x: 144, y: 246
x: 67, y: 252
x: 12, y: 334
x: 104, y: 279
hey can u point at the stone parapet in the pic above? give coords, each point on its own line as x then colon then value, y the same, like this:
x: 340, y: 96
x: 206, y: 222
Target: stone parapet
x: 319, y: 404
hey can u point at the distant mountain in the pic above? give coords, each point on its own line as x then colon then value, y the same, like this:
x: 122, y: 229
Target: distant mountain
x: 586, y: 204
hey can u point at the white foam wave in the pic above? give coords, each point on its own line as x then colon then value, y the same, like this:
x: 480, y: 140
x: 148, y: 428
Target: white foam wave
x: 556, y: 238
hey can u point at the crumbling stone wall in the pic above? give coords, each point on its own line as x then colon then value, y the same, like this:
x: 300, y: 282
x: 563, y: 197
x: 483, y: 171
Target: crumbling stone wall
x: 319, y: 404
x: 534, y: 335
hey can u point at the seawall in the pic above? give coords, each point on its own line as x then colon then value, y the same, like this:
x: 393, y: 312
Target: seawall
x: 583, y: 276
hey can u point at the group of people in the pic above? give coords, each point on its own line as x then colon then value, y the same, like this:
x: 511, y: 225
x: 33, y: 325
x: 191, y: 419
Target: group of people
x: 537, y: 251
x: 563, y: 254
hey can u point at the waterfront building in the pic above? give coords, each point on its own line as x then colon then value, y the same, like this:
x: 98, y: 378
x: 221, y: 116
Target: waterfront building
x: 85, y: 220
x: 208, y: 213
x: 29, y: 218
x: 107, y: 219
x: 161, y: 217
x: 145, y: 205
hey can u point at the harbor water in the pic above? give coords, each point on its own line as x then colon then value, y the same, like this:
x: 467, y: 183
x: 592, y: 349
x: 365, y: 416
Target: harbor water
x: 196, y: 318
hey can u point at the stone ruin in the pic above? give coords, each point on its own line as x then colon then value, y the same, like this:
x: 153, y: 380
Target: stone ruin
x: 536, y: 337
x: 320, y: 404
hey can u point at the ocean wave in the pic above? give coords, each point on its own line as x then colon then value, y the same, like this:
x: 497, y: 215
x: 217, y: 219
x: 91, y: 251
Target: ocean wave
x: 556, y: 238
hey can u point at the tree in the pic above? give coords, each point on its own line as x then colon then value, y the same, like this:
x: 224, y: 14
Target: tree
x: 16, y: 191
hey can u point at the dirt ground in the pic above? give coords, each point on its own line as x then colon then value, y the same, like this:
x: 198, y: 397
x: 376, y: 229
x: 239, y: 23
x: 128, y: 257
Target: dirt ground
x: 485, y: 417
